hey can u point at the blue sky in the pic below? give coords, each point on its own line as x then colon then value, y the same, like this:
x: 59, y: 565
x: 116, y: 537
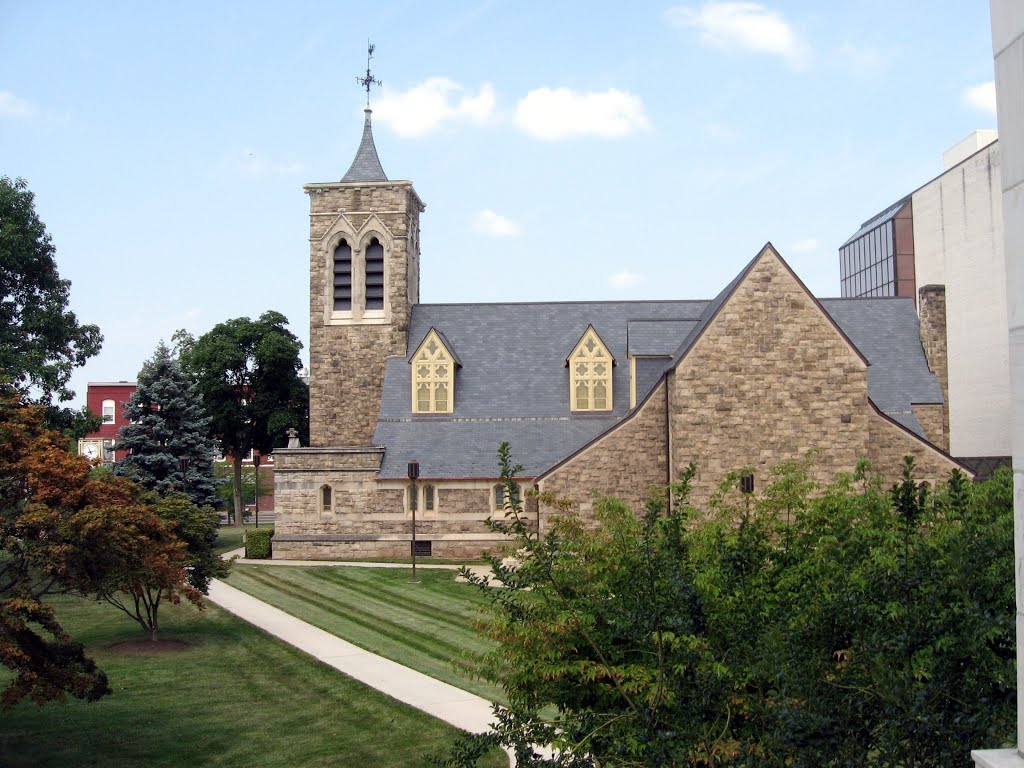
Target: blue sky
x: 565, y: 151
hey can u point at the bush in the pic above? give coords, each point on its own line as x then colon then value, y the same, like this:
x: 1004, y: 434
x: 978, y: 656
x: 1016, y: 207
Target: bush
x: 835, y: 626
x: 257, y: 543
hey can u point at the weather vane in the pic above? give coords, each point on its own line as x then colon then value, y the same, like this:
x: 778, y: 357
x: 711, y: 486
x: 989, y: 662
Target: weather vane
x: 369, y: 79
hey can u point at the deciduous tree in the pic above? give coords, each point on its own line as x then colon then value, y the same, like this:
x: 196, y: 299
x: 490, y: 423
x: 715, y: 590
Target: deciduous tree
x: 827, y: 626
x: 41, y: 340
x: 248, y: 374
x: 36, y: 471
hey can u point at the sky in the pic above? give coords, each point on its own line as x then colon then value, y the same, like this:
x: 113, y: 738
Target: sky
x: 565, y: 151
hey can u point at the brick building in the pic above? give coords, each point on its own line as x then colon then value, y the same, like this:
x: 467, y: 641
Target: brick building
x: 106, y: 400
x: 613, y: 397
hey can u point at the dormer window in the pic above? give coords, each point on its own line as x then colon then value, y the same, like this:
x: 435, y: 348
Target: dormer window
x: 433, y: 376
x: 590, y: 374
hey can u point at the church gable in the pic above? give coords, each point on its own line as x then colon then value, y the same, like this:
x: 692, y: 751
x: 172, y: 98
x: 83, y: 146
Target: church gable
x: 768, y: 376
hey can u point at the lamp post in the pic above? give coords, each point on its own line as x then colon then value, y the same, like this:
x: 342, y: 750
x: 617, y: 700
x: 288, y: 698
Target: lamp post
x: 256, y: 469
x: 414, y: 472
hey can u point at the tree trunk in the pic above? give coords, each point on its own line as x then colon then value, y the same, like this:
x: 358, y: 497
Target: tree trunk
x: 154, y: 628
x: 236, y: 489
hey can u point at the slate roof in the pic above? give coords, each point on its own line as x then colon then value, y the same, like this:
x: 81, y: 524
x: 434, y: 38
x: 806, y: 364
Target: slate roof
x: 513, y: 383
x: 366, y: 165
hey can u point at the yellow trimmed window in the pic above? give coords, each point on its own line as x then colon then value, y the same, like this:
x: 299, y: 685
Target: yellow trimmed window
x: 590, y: 374
x: 433, y: 377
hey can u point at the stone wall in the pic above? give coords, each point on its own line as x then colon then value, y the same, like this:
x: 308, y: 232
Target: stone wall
x: 368, y: 517
x: 771, y: 379
x: 347, y: 357
x: 630, y: 461
x: 934, y: 421
x: 932, y: 310
x: 889, y: 443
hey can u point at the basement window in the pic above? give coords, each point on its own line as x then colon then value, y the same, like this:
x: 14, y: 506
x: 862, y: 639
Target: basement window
x: 421, y: 548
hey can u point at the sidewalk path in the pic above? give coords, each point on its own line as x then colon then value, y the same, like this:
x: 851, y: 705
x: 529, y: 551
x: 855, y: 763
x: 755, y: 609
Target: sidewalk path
x: 443, y: 701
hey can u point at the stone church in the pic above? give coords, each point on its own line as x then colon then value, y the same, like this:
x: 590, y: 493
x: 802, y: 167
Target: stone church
x: 613, y: 397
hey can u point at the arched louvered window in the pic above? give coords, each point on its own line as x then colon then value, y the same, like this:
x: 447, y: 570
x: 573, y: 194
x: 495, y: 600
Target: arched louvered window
x: 590, y: 374
x: 374, y: 275
x: 326, y: 504
x: 343, y: 277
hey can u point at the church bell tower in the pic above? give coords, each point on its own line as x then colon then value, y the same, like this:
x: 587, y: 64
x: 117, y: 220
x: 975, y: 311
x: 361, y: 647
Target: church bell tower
x: 364, y: 280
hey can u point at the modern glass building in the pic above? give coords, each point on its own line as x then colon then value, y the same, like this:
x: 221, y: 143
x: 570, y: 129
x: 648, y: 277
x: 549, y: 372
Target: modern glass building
x: 878, y: 260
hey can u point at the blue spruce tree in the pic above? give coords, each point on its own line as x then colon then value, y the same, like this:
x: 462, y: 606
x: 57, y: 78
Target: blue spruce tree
x: 170, y: 449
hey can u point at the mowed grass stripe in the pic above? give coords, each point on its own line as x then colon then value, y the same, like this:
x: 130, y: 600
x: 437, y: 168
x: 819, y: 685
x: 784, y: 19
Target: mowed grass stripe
x: 369, y: 628
x: 400, y: 602
x: 436, y: 599
x: 375, y: 612
x: 402, y: 633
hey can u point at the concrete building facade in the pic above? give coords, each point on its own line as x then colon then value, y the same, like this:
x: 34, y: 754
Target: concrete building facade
x: 948, y: 234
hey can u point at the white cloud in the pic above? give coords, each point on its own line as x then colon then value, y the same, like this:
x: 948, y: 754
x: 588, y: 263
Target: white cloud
x: 741, y: 25
x: 253, y: 165
x: 807, y: 245
x: 12, y: 106
x: 560, y: 113
x: 981, y: 97
x: 426, y: 107
x: 624, y: 279
x: 495, y: 225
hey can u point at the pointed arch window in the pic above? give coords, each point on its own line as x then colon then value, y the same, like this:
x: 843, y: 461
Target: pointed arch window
x: 326, y: 502
x: 590, y: 374
x: 343, y: 277
x: 433, y: 376
x: 374, y: 275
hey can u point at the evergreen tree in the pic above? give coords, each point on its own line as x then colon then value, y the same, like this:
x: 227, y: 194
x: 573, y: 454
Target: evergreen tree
x: 168, y: 424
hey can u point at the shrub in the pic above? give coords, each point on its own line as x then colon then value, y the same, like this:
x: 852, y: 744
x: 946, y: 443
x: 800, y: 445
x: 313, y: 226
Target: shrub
x: 257, y: 543
x: 834, y: 626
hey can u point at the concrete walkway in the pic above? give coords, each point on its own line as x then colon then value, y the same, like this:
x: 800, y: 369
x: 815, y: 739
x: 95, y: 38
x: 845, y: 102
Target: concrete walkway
x: 445, y: 702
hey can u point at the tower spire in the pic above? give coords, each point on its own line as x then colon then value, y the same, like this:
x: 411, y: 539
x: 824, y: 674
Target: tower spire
x: 366, y: 165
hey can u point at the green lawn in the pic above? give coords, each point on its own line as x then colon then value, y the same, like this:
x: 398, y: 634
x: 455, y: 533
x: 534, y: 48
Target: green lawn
x: 234, y: 697
x: 426, y: 626
x: 229, y: 538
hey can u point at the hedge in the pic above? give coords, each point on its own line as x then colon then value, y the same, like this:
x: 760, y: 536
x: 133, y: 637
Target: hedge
x: 257, y: 543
